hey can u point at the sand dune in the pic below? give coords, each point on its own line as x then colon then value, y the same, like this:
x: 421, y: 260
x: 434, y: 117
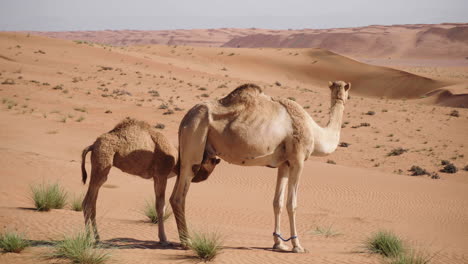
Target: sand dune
x: 59, y: 95
x: 422, y: 41
x: 400, y: 41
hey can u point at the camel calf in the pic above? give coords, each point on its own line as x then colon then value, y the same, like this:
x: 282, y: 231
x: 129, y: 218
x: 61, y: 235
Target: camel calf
x: 135, y: 148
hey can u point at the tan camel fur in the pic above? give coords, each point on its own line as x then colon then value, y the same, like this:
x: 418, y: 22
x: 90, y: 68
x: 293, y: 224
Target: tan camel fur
x: 250, y: 128
x: 135, y: 148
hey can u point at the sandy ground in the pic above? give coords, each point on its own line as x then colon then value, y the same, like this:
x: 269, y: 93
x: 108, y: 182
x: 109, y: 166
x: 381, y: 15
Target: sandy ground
x: 63, y: 89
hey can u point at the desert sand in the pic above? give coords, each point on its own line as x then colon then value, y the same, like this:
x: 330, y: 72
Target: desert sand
x: 59, y: 95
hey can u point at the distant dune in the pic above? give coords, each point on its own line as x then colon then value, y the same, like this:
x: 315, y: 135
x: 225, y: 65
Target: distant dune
x: 401, y: 41
x: 421, y: 41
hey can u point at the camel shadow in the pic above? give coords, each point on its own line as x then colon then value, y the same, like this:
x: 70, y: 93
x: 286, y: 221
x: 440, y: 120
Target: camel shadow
x: 41, y: 243
x: 131, y: 243
x: 270, y: 249
x: 28, y: 209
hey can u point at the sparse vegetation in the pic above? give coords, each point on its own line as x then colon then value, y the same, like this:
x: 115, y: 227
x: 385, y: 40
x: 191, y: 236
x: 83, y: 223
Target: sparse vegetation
x: 454, y: 113
x: 80, y: 109
x: 344, y: 144
x: 277, y: 83
x: 411, y: 258
x: 163, y: 106
x: 13, y: 242
x: 418, y: 171
x: 76, y: 203
x: 160, y: 126
x: 8, y: 82
x: 326, y: 231
x: 397, y: 152
x: 80, y: 248
x: 149, y: 210
x: 370, y: 113
x: 50, y: 196
x: 153, y: 93
x: 361, y: 125
x: 385, y: 243
x: 205, y: 246
x: 449, y: 168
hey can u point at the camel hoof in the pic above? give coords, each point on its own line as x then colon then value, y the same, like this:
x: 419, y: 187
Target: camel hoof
x: 299, y: 250
x: 166, y: 244
x: 280, y: 247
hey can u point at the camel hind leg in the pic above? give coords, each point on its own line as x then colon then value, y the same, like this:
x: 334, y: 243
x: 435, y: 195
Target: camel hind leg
x: 165, y: 156
x: 98, y: 178
x: 193, y: 133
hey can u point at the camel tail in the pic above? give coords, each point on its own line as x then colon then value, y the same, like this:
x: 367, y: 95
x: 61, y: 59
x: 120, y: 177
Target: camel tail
x: 84, y: 175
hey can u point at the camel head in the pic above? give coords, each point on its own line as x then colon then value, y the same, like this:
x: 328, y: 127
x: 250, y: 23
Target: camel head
x: 203, y: 171
x: 339, y: 91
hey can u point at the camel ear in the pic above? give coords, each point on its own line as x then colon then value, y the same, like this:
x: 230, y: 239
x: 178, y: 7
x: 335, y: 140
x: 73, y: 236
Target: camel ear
x: 347, y: 86
x: 330, y: 84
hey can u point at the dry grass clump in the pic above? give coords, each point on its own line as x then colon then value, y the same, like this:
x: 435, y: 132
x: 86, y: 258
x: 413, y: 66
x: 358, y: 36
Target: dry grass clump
x: 50, y: 196
x: 13, y: 242
x: 449, y: 167
x: 411, y: 258
x: 397, y: 152
x: 205, y: 246
x: 385, y: 243
x: 418, y: 171
x: 80, y: 248
x: 326, y: 231
x: 76, y: 203
x: 391, y: 247
x: 149, y: 210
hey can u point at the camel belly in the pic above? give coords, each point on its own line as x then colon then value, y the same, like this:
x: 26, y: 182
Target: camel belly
x: 135, y: 157
x: 252, y: 139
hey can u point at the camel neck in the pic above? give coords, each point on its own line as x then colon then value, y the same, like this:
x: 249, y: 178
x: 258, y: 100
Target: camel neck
x: 336, y: 116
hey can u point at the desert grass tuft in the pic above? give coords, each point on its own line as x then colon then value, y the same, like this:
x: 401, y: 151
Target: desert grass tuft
x: 13, y: 242
x: 76, y: 203
x: 206, y: 246
x: 385, y: 243
x: 411, y: 258
x: 50, y: 196
x: 149, y: 210
x: 80, y: 248
x: 326, y: 231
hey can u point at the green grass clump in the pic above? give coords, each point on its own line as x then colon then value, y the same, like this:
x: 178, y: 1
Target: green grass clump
x: 76, y: 203
x: 13, y: 242
x: 80, y: 248
x: 47, y: 197
x: 149, y: 210
x: 411, y: 258
x: 205, y: 246
x: 385, y: 243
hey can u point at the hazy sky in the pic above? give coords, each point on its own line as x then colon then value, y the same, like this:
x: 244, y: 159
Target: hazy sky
x: 61, y: 15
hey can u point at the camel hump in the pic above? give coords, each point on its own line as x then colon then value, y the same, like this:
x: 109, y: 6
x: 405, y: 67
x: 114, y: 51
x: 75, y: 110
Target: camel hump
x: 129, y: 122
x: 242, y: 94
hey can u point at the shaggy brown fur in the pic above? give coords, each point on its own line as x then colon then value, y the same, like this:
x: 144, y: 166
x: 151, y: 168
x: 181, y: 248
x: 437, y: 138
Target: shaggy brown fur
x: 134, y: 147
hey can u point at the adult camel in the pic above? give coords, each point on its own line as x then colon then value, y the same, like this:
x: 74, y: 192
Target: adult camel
x: 250, y: 128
